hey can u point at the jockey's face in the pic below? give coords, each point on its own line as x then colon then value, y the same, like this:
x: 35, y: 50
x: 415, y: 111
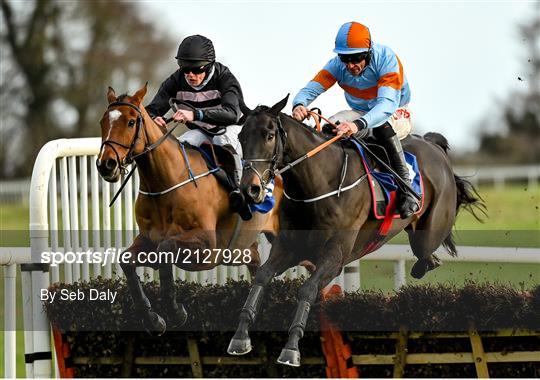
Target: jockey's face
x: 194, y: 79
x: 355, y: 68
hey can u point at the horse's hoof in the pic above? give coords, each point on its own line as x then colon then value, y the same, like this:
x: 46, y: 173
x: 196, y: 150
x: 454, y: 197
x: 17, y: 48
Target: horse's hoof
x: 154, y: 324
x: 239, y: 346
x: 422, y: 266
x: 289, y: 357
x: 419, y: 269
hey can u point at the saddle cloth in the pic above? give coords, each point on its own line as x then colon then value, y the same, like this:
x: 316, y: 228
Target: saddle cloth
x: 211, y: 156
x: 383, y: 185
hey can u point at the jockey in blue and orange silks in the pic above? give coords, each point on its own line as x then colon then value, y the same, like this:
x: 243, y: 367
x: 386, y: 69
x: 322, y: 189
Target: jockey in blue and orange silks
x: 376, y: 90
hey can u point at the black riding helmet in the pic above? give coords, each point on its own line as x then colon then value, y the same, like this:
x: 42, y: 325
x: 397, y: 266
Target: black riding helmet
x: 195, y: 51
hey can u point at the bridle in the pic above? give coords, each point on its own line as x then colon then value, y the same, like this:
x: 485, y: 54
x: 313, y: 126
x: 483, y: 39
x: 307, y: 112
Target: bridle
x: 277, y: 155
x: 128, y: 159
x: 130, y: 156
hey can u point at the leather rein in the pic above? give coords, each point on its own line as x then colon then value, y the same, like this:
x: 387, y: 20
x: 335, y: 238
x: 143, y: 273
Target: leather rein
x: 279, y: 146
x: 130, y: 156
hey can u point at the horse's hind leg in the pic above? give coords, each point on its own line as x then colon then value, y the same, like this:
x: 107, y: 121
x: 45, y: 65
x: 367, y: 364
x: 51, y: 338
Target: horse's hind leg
x: 152, y: 322
x: 431, y: 230
x: 176, y: 315
x: 276, y: 264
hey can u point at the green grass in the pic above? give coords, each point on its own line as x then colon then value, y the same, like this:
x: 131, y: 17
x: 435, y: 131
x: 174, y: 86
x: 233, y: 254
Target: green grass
x: 513, y: 221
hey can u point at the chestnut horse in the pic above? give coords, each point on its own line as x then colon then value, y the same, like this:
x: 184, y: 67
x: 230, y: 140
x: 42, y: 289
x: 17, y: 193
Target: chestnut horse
x: 332, y: 231
x: 175, y: 212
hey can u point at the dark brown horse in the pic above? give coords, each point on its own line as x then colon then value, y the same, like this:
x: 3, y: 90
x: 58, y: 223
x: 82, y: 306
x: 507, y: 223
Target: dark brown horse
x: 193, y: 220
x: 336, y: 230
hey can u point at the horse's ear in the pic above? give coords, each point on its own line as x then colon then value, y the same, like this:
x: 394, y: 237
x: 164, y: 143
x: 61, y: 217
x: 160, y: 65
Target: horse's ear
x: 111, y: 95
x: 245, y: 112
x: 276, y: 108
x: 141, y: 93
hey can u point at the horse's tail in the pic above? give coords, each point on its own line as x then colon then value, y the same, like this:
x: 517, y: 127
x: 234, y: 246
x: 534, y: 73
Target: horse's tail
x: 467, y: 195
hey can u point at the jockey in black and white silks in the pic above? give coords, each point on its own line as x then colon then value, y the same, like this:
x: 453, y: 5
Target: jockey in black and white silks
x: 215, y: 96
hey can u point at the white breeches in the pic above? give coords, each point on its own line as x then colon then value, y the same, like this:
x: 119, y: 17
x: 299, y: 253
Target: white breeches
x: 196, y: 137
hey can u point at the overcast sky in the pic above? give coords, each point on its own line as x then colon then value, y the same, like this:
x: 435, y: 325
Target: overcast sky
x: 461, y: 58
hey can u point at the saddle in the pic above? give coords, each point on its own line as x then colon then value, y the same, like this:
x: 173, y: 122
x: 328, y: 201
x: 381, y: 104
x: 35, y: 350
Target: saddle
x: 217, y: 156
x: 382, y: 184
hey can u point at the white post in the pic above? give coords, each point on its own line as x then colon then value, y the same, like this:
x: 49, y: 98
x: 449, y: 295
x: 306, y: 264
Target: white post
x: 53, y: 220
x: 26, y: 280
x: 340, y: 280
x: 118, y: 243
x: 202, y: 277
x: 106, y: 196
x: 399, y: 274
x: 181, y: 274
x: 66, y: 222
x: 10, y: 321
x: 128, y: 211
x: 42, y: 338
x: 85, y: 244
x: 212, y: 276
x: 74, y: 210
x: 351, y: 274
x: 233, y: 273
x: 96, y: 239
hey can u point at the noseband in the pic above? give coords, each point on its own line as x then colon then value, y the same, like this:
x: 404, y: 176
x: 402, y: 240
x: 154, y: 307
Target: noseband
x: 111, y: 143
x: 277, y: 155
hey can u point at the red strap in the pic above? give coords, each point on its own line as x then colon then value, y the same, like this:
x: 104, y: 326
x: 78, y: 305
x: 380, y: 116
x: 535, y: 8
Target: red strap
x: 389, y: 216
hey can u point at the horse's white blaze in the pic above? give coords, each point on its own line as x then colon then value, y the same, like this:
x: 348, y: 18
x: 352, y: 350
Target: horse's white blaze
x: 113, y: 116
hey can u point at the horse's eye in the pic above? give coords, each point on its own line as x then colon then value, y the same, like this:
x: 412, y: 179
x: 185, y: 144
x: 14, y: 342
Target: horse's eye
x: 270, y: 136
x: 131, y: 123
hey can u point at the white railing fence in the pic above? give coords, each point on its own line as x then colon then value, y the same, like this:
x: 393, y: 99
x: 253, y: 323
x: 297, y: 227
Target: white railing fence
x: 17, y: 191
x: 499, y: 176
x: 69, y: 212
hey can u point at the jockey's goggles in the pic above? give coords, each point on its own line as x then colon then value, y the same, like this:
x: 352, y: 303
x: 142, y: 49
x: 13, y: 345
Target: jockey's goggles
x: 352, y: 58
x: 194, y: 70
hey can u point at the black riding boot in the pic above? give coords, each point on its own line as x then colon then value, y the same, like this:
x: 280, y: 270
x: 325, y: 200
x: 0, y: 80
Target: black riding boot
x: 236, y: 198
x: 407, y: 204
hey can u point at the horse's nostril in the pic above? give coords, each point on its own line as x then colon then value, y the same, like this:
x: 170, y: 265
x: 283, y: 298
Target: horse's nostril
x: 254, y: 191
x: 110, y: 164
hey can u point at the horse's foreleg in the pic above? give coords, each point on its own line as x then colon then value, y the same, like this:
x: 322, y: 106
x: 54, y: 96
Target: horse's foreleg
x: 326, y: 269
x: 176, y: 315
x: 191, y: 240
x: 151, y: 321
x: 276, y: 264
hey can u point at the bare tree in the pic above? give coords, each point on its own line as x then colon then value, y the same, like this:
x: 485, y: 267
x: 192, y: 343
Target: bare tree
x: 519, y: 140
x: 58, y: 59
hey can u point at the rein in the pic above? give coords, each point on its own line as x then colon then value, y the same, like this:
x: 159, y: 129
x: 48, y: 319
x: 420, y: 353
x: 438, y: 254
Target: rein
x: 311, y: 153
x: 130, y: 157
x: 273, y: 171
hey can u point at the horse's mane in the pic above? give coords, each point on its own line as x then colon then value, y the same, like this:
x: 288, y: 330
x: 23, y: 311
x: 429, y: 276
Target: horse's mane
x: 120, y: 98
